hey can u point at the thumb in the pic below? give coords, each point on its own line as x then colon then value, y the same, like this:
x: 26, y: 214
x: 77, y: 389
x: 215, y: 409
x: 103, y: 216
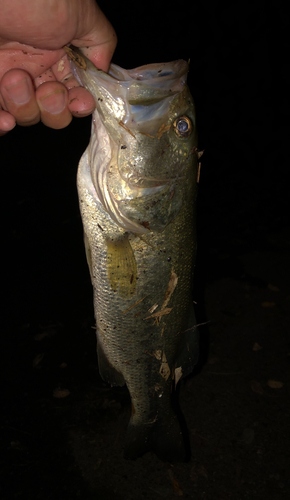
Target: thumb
x: 96, y: 36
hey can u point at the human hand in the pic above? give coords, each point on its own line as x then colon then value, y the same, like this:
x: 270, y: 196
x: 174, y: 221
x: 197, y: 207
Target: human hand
x: 36, y: 82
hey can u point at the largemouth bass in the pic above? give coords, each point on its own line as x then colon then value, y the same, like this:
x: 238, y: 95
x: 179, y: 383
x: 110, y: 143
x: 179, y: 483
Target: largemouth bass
x: 137, y: 186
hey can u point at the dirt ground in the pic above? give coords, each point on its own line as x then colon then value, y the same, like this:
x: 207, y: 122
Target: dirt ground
x: 62, y: 427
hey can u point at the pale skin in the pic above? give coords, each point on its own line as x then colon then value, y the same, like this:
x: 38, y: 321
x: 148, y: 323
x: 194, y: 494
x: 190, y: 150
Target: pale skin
x: 35, y: 77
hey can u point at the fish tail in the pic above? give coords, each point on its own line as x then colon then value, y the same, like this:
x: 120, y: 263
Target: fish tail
x: 163, y: 437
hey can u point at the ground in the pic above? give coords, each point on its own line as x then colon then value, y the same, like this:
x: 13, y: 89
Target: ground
x: 63, y: 428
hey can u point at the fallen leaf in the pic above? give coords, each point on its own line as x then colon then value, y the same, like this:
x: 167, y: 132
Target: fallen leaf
x: 152, y: 309
x: 97, y: 465
x: 37, y: 359
x: 202, y: 471
x: 257, y: 347
x: 176, y: 488
x: 158, y: 354
x: 60, y: 66
x: 16, y: 445
x: 196, y: 471
x: 248, y: 435
x: 170, y: 289
x: 162, y: 129
x: 79, y: 60
x: 60, y: 393
x: 275, y: 384
x: 256, y: 387
x: 40, y: 336
x: 268, y: 304
x: 273, y: 288
x: 158, y: 314
x: 111, y: 403
x: 193, y: 475
x: 49, y: 331
x: 134, y: 305
x: 198, y: 172
x: 164, y: 367
x: 177, y: 374
x: 213, y: 359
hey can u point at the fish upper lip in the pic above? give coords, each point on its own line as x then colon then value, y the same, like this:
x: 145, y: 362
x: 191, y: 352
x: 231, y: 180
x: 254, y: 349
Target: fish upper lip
x: 152, y: 74
x: 147, y: 84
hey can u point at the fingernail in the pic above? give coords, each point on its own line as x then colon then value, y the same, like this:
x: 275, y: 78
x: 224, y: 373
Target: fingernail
x: 54, y: 103
x: 19, y: 92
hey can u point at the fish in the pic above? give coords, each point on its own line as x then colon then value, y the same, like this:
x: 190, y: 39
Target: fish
x: 137, y: 187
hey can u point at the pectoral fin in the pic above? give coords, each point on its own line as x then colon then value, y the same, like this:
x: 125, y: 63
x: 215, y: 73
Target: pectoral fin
x: 121, y: 266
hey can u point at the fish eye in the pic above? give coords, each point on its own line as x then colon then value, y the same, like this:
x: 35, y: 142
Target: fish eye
x: 182, y: 126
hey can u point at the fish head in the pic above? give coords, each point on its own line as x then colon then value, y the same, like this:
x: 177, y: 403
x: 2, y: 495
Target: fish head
x: 142, y: 152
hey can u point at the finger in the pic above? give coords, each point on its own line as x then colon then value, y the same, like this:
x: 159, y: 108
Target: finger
x: 95, y: 35
x: 33, y: 61
x: 80, y: 102
x: 62, y: 73
x: 101, y: 55
x: 7, y: 122
x: 47, y: 76
x: 18, y: 97
x: 52, y: 99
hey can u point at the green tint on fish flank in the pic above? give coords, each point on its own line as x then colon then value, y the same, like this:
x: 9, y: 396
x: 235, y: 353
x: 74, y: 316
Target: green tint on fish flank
x: 121, y: 266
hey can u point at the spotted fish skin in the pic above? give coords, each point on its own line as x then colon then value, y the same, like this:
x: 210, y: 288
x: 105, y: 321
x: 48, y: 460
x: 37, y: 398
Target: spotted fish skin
x: 137, y: 187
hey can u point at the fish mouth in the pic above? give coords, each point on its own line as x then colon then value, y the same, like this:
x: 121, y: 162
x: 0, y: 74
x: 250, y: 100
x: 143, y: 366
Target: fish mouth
x: 150, y: 71
x: 138, y: 98
x: 129, y: 103
x: 151, y: 83
x: 163, y: 77
x: 148, y: 92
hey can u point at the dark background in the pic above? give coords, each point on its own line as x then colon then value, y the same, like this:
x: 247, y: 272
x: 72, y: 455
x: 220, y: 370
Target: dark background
x: 238, y: 425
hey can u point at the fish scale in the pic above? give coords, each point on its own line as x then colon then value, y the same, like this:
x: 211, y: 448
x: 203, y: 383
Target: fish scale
x: 141, y: 243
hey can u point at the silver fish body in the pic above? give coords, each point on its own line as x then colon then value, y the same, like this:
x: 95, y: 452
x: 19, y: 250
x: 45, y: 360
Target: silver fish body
x: 137, y: 186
